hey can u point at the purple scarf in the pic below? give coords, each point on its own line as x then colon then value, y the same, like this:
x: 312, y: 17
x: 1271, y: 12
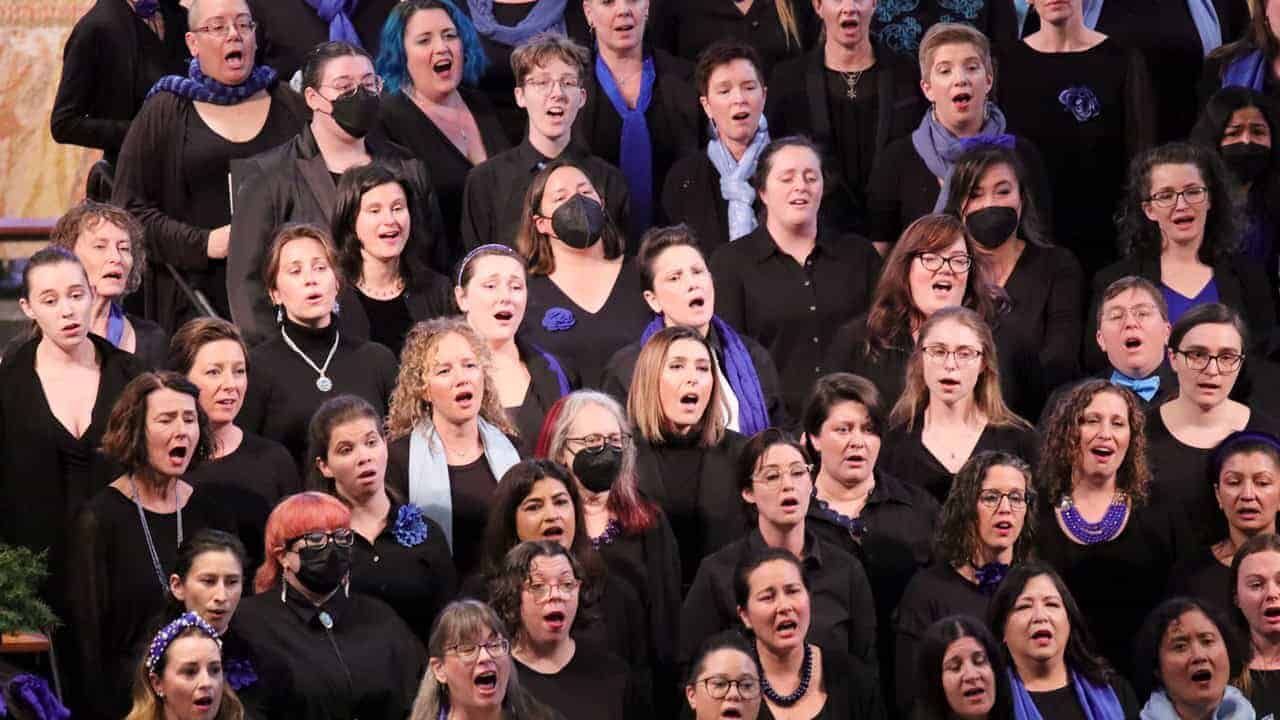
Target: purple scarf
x: 338, y: 14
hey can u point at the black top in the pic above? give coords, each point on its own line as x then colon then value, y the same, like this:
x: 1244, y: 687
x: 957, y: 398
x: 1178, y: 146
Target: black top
x: 248, y: 483
x: 110, y: 61
x: 885, y: 368
x: 389, y: 321
x: 117, y: 591
x: 406, y: 125
x: 685, y: 28
x: 1168, y: 390
x: 595, y: 683
x: 852, y: 692
x: 1064, y: 704
x: 368, y: 665
x: 584, y: 340
x: 282, y: 392
x: 1086, y: 149
x: 495, y: 190
x: 900, y: 26
x: 794, y: 309
x: 544, y: 391
x: 416, y: 580
x: 691, y: 195
x: 150, y: 344
x: 430, y: 296
x: 842, y: 616
x: 934, y: 593
x: 697, y: 489
x: 807, y: 98
x: 904, y: 454
x: 1265, y: 692
x: 471, y: 488
x: 1201, y: 576
x: 903, y: 189
x: 287, y: 29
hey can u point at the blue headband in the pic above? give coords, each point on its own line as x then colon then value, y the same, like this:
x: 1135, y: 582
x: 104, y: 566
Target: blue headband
x: 1235, y: 440
x: 493, y: 247
x: 160, y: 643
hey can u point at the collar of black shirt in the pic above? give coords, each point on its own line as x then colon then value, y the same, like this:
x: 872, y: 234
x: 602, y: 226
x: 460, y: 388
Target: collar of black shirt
x: 527, y: 155
x: 812, y: 548
x: 309, y: 613
x: 763, y: 247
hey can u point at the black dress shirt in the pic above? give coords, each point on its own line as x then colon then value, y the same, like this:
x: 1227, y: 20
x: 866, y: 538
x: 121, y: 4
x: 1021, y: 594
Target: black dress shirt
x: 686, y: 27
x: 905, y: 455
x: 793, y: 309
x: 287, y: 29
x: 885, y: 367
x: 494, y: 195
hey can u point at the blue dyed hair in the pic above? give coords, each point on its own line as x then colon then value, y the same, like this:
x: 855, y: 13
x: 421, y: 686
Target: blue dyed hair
x: 392, y: 64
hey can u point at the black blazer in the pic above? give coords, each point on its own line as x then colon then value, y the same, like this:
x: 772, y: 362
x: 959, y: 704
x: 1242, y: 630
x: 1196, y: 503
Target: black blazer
x: 798, y: 104
x: 291, y: 183
x: 107, y: 71
x: 691, y: 195
x: 287, y: 29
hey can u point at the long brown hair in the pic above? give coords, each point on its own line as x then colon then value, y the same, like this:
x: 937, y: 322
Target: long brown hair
x: 537, y: 246
x: 1061, y: 443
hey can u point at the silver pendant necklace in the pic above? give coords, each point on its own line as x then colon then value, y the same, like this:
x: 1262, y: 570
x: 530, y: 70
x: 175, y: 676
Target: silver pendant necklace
x: 146, y: 531
x: 851, y: 83
x: 323, y: 383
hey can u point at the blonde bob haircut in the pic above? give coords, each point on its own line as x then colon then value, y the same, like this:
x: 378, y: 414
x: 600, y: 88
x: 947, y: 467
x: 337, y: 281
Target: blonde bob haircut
x: 409, y: 407
x: 941, y: 34
x: 644, y: 401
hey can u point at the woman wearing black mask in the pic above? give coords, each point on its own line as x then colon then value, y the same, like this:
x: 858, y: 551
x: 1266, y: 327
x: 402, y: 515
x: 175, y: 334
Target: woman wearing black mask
x: 322, y: 651
x: 585, y: 299
x: 1043, y: 282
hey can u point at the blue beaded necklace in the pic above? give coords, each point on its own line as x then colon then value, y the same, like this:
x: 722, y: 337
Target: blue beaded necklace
x: 612, y: 530
x: 806, y: 675
x: 1104, y: 530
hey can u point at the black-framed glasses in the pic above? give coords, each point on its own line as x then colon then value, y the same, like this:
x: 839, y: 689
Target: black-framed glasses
x: 542, y: 591
x: 717, y: 686
x: 933, y: 262
x: 1228, y: 362
x: 346, y: 86
x: 595, y: 442
x: 771, y: 475
x: 1169, y: 198
x: 1018, y: 500
x: 470, y: 652
x: 964, y: 354
x: 342, y: 537
x: 222, y: 28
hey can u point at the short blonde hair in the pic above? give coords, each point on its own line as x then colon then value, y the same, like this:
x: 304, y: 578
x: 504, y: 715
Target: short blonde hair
x: 644, y: 402
x: 942, y: 34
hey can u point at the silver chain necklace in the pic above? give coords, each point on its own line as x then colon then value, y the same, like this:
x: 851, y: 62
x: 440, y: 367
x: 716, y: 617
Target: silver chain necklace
x: 146, y: 531
x: 323, y: 383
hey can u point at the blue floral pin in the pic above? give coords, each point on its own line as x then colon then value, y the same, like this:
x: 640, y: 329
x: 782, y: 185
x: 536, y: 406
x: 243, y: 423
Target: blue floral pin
x: 240, y: 673
x: 1080, y: 101
x: 411, y: 527
x: 558, y: 319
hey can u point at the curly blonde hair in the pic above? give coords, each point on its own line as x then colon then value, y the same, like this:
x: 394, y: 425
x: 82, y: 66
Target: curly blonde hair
x: 409, y: 407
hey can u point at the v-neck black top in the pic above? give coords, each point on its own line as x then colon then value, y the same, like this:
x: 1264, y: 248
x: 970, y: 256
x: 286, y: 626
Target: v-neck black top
x: 582, y: 339
x: 595, y: 683
x: 904, y: 455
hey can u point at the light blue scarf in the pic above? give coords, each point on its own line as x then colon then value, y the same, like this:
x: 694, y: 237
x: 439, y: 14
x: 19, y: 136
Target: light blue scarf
x: 1203, y: 14
x: 735, y: 178
x: 429, y: 486
x: 1234, y: 707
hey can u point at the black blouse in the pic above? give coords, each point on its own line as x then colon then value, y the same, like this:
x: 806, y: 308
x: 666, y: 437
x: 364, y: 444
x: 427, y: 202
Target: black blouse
x: 852, y: 692
x: 1264, y: 694
x: 1202, y: 577
x: 595, y: 683
x: 686, y: 27
x: 471, y: 488
x: 1064, y: 703
x: 790, y: 308
x: 544, y: 390
x: 904, y: 454
x: 367, y: 663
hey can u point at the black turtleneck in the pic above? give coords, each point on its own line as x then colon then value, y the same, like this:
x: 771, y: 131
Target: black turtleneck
x: 282, y: 391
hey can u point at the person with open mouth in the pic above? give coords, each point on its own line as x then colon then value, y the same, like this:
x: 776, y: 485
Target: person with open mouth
x: 963, y: 672
x: 183, y: 675
x: 1189, y: 653
x: 109, y: 242
x: 985, y: 529
x: 801, y: 674
x: 1050, y: 651
x: 492, y: 291
x: 1096, y: 526
x: 775, y: 486
x: 909, y: 178
x: 540, y: 592
x: 1207, y: 353
x: 174, y: 172
x: 125, y: 540
x: 1254, y: 584
x: 301, y: 182
x: 724, y: 679
x: 450, y: 439
x: 681, y: 291
x: 398, y: 555
x: 952, y: 407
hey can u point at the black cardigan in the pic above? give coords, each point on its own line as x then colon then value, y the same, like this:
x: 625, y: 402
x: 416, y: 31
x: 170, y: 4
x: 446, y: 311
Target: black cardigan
x: 291, y: 183
x: 288, y: 29
x: 106, y: 73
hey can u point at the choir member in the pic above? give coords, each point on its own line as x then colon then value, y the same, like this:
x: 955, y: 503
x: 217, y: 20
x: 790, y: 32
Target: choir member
x: 1187, y: 656
x: 182, y: 675
x: 724, y: 679
x: 966, y: 672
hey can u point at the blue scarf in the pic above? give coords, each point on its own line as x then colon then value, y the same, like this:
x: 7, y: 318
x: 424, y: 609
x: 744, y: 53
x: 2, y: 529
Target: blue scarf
x: 115, y: 324
x: 636, y: 157
x: 1203, y: 14
x: 1099, y: 702
x: 753, y: 414
x: 199, y: 87
x: 146, y: 9
x: 1234, y: 706
x: 735, y: 178
x: 939, y: 148
x: 546, y: 15
x: 1146, y: 388
x: 1249, y: 71
x: 338, y: 14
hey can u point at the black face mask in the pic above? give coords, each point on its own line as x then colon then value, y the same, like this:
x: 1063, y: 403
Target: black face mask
x: 599, y: 469
x: 578, y: 222
x: 992, y: 226
x: 322, y: 569
x: 1247, y: 160
x: 356, y: 112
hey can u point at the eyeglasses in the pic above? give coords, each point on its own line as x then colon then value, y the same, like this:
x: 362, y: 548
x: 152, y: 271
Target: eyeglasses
x: 1018, y: 500
x: 542, y: 85
x: 346, y: 86
x: 717, y: 686
x: 933, y: 262
x: 964, y: 354
x: 342, y: 537
x: 542, y: 591
x: 595, y: 442
x: 222, y: 28
x: 1141, y: 314
x: 1228, y: 362
x: 771, y: 475
x: 470, y: 652
x: 1169, y: 198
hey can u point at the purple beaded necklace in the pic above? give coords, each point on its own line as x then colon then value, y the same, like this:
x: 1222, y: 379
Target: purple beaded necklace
x: 612, y: 530
x: 1104, y: 530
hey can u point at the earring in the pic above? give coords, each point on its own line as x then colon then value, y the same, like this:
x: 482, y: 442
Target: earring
x: 336, y: 307
x: 279, y: 314
x: 283, y: 588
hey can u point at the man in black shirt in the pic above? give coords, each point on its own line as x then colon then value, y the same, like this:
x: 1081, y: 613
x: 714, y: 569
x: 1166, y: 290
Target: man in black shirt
x: 548, y: 71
